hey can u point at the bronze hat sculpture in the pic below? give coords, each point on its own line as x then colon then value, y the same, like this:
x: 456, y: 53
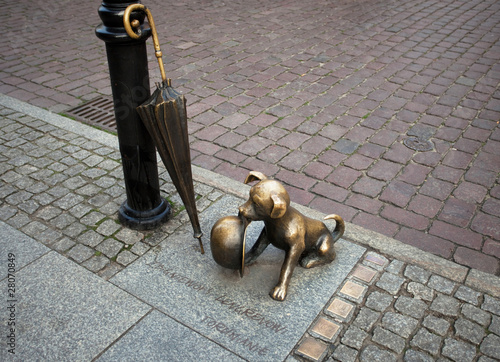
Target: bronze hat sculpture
x: 306, y: 241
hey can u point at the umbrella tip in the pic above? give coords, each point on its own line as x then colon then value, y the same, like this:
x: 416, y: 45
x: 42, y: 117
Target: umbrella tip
x: 198, y: 236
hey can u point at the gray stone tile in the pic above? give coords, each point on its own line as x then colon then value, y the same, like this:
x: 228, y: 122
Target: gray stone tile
x: 388, y: 339
x: 399, y: 324
x: 420, y: 291
x: 441, y: 284
x: 495, y: 325
x: 80, y: 253
x: 110, y: 247
x: 469, y: 331
x: 354, y: 337
x: 159, y: 338
x: 491, y: 346
x: 379, y: 301
x: 390, y: 283
x: 125, y: 258
x: 412, y: 355
x: 24, y: 248
x: 491, y: 304
x: 467, y: 295
x: 417, y: 274
x: 436, y: 325
x: 345, y: 354
x: 69, y: 313
x: 445, y: 305
x: 412, y: 307
x: 458, y: 350
x: 366, y: 318
x: 373, y: 353
x: 475, y: 314
x: 191, y: 288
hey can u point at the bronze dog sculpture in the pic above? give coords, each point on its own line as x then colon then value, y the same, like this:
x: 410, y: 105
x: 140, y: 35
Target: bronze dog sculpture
x: 304, y: 240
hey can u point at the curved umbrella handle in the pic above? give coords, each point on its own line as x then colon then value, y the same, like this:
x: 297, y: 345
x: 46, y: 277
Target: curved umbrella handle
x: 135, y: 23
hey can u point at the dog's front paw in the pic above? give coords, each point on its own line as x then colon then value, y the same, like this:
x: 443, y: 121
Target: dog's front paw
x: 278, y: 293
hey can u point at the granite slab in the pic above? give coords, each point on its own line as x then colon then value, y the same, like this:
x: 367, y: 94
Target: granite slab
x: 24, y: 248
x: 63, y: 312
x: 234, y: 312
x: 160, y: 338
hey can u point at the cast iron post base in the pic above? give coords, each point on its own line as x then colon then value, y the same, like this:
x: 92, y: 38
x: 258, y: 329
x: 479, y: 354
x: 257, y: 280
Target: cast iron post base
x: 128, y: 70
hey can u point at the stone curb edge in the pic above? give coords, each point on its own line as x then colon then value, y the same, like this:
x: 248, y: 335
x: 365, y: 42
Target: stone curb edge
x: 473, y: 278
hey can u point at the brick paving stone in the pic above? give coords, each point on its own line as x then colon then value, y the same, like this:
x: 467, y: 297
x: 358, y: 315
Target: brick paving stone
x: 358, y: 162
x: 470, y: 192
x: 384, y: 170
x: 368, y: 186
x: 457, y: 212
x: 492, y: 247
x: 426, y: 242
x: 398, y: 193
x: 414, y: 174
x: 487, y: 225
x: 457, y: 235
x: 477, y: 260
x: 405, y: 218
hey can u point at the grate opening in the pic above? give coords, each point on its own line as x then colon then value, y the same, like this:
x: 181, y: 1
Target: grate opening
x: 98, y: 112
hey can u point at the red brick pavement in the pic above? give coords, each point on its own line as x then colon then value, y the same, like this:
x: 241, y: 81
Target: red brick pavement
x: 319, y: 94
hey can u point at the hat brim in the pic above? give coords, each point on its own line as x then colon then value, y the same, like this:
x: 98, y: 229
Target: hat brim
x: 242, y: 268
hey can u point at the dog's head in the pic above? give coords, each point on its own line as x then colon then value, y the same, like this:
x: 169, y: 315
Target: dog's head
x: 268, y: 199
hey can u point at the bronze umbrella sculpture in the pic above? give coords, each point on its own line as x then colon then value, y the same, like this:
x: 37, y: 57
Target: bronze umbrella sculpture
x: 164, y: 115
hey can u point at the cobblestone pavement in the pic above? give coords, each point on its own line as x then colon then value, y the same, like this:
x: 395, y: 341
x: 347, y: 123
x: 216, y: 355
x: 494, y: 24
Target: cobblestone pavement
x: 389, y: 311
x: 324, y: 96
x: 63, y: 189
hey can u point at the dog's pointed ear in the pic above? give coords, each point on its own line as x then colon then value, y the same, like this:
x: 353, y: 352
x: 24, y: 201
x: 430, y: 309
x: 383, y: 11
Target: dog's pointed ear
x: 279, y: 207
x: 255, y: 175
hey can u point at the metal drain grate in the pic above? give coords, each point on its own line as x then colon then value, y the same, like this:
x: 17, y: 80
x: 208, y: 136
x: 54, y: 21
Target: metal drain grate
x: 98, y: 112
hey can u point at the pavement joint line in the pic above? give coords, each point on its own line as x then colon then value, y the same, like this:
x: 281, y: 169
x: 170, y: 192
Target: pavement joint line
x: 473, y: 278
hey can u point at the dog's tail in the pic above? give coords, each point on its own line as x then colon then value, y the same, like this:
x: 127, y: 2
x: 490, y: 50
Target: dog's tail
x: 339, y: 227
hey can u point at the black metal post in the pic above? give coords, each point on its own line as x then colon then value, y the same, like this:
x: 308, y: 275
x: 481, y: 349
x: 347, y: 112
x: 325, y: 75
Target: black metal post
x: 128, y: 69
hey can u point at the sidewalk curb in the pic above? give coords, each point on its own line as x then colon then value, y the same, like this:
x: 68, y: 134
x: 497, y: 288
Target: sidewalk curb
x: 484, y: 282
